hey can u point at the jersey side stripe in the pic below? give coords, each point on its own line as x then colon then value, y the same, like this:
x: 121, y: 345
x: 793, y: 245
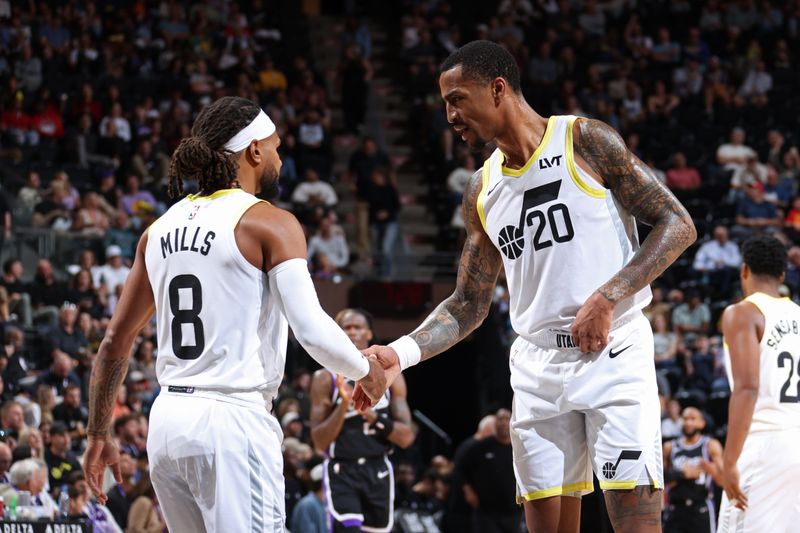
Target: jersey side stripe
x: 482, y: 194
x: 573, y: 170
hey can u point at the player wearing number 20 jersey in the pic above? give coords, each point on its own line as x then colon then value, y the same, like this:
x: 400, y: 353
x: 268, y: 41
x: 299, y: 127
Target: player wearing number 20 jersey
x: 762, y: 351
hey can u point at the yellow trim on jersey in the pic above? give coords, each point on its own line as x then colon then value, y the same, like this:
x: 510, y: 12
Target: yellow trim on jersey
x: 621, y: 485
x: 573, y: 169
x: 482, y: 195
x: 237, y: 216
x: 548, y: 132
x: 214, y: 195
x: 557, y: 491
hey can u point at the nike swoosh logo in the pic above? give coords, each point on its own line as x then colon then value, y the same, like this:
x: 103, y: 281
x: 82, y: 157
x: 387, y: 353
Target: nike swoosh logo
x: 493, y: 188
x: 612, y: 354
x: 383, y: 474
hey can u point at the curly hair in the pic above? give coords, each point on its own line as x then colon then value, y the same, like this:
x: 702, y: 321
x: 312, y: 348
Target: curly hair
x: 765, y: 255
x: 203, y: 156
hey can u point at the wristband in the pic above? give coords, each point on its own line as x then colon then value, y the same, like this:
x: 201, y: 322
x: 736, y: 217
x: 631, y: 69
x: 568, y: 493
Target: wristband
x: 407, y: 350
x: 383, y: 426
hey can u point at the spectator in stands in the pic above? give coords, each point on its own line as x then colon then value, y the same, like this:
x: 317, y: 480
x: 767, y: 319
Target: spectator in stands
x: 121, y: 234
x: 355, y: 72
x: 66, y: 339
x: 72, y: 413
x: 312, y: 143
x: 757, y: 84
x: 149, y: 163
x: 90, y: 220
x: 312, y: 191
x: 126, y: 430
x: 60, y: 458
x: 777, y: 191
x: 719, y: 260
x: 60, y: 375
x: 32, y: 438
x: 113, y: 273
x: 12, y: 417
x: 85, y: 295
x: 137, y: 202
x: 384, y: 208
x: 661, y: 103
x: 457, y: 183
x: 329, y: 240
x: 99, y: 516
x: 665, y: 344
x: 30, y: 194
x: 489, y: 480
x: 701, y: 366
x: 734, y: 155
x: 792, y: 221
x: 691, y: 318
x: 19, y: 301
x: 85, y: 145
x: 776, y: 142
x: 118, y: 502
x: 755, y: 214
x: 28, y: 70
x: 309, y: 515
x: 145, y: 514
x: 26, y: 476
x: 52, y: 212
x: 144, y: 361
x: 458, y: 513
x: 672, y: 423
x: 5, y: 463
x: 363, y: 161
x: 681, y: 176
x: 47, y: 293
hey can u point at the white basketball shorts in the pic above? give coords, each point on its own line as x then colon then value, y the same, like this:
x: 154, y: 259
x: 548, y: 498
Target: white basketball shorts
x: 576, y: 412
x: 216, y: 462
x: 769, y: 474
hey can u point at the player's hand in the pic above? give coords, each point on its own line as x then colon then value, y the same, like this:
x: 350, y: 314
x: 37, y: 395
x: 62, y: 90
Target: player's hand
x: 345, y: 390
x: 592, y: 323
x: 372, y: 386
x: 101, y: 452
x: 390, y: 363
x: 730, y: 479
x: 369, y: 416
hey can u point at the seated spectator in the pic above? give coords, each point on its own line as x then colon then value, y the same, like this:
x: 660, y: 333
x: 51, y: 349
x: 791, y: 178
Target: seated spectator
x: 15, y: 125
x: 85, y: 146
x: 83, y: 504
x: 72, y: 413
x: 12, y: 417
x: 72, y: 199
x: 126, y: 430
x: 672, y: 424
x: 66, y: 339
x: 734, y: 154
x: 329, y: 240
x: 90, y: 220
x: 792, y: 221
x: 665, y: 346
x: 282, y: 114
x: 121, y: 127
x: 52, y: 211
x: 691, y: 318
x: 47, y: 293
x: 665, y: 52
x: 661, y: 103
x: 309, y: 515
x: 312, y: 191
x: 85, y: 295
x: 719, y: 259
x: 300, y: 92
x: 457, y: 182
x: 777, y: 191
x: 144, y: 362
x: 118, y: 502
x: 19, y: 300
x: 312, y: 143
x: 113, y: 273
x: 20, y: 362
x: 755, y: 214
x: 681, y: 176
x: 701, y: 366
x: 322, y: 268
x: 46, y: 121
x: 30, y: 194
x: 135, y: 201
x: 60, y: 375
x: 5, y: 463
x: 32, y: 438
x: 145, y: 514
x: 26, y: 475
x: 751, y: 173
x: 60, y: 459
x: 149, y: 163
x: 121, y: 234
x: 757, y: 84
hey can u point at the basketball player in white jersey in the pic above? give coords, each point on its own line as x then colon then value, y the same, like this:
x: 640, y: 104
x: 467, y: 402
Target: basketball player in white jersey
x: 761, y: 461
x: 224, y: 273
x: 554, y: 206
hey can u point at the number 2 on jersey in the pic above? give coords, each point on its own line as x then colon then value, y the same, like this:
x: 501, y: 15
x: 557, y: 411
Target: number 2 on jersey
x: 786, y: 398
x: 186, y: 316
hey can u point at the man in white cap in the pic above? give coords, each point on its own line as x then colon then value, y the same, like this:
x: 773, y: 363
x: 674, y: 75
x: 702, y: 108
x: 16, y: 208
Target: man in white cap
x: 226, y: 274
x: 113, y: 273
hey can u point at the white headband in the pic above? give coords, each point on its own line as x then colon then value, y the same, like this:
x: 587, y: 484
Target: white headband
x: 260, y: 128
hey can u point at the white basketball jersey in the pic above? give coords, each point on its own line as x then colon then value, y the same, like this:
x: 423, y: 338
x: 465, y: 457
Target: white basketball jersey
x: 218, y: 325
x: 777, y: 404
x: 560, y: 234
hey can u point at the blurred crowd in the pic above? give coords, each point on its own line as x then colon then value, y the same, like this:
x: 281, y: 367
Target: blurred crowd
x: 97, y: 95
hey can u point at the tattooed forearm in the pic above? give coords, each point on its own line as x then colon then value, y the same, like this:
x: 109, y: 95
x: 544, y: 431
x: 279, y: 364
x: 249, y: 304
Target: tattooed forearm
x: 638, y: 509
x: 107, y: 376
x: 636, y: 187
x: 465, y: 309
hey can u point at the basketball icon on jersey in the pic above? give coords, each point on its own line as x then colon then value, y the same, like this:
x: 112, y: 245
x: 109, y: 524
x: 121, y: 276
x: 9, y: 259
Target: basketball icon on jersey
x: 610, y: 469
x: 511, y: 239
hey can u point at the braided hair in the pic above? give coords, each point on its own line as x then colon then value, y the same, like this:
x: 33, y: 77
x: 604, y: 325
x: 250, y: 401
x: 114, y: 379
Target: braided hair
x: 203, y: 156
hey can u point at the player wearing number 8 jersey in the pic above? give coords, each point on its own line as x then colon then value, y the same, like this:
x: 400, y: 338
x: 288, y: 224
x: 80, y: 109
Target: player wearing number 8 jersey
x: 554, y: 206
x: 761, y: 471
x: 225, y: 273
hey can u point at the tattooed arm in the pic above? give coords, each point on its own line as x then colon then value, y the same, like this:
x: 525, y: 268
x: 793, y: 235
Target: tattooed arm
x: 601, y: 151
x: 136, y: 306
x: 464, y: 310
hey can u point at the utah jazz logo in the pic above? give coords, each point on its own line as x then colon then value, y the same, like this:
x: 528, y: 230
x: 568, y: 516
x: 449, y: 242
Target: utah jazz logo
x: 610, y: 469
x: 511, y: 239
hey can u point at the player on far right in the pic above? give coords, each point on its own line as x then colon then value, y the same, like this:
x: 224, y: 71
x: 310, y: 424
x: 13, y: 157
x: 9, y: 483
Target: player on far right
x: 761, y: 459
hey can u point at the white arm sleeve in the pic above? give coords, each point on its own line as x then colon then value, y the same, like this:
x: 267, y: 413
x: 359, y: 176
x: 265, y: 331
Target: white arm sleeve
x: 321, y: 337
